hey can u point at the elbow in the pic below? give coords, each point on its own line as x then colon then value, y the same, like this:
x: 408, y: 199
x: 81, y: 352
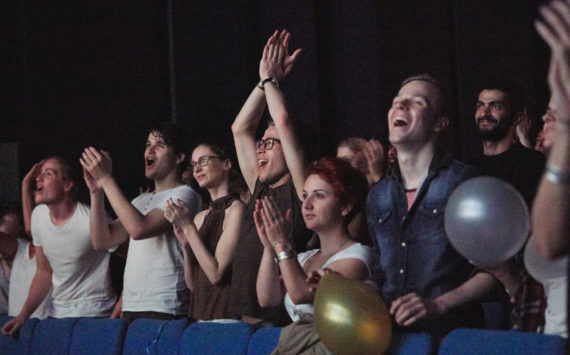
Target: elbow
x: 267, y: 302
x: 301, y: 298
x: 547, y: 250
x: 138, y: 234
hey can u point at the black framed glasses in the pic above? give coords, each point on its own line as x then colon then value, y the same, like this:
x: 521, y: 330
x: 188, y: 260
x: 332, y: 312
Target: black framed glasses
x: 202, y: 161
x: 267, y: 143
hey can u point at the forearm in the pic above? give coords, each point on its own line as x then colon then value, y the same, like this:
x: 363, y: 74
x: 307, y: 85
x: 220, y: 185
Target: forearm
x: 475, y: 289
x: 243, y: 129
x: 99, y: 228
x: 269, y: 289
x: 39, y: 288
x: 551, y: 225
x: 248, y: 118
x: 205, y: 259
x: 28, y: 205
x: 131, y: 219
x: 188, y: 267
x: 5, y: 267
x: 294, y: 278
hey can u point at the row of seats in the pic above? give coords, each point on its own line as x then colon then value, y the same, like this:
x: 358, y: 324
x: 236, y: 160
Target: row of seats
x: 145, y: 336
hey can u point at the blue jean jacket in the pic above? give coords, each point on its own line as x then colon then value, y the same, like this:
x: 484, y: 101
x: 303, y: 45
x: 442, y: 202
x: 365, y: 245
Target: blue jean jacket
x: 414, y: 252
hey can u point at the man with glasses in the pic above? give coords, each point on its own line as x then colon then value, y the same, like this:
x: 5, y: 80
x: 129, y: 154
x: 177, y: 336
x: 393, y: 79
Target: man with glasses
x: 273, y: 166
x: 154, y: 284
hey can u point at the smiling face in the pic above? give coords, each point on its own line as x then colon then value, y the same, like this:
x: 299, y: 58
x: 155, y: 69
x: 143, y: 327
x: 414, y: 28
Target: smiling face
x: 412, y: 117
x: 214, y: 172
x: 160, y: 158
x: 493, y: 115
x: 51, y: 186
x: 321, y: 207
x: 271, y: 165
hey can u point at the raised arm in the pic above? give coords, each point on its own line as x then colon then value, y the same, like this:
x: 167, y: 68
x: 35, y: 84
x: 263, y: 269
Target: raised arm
x: 245, y: 126
x: 39, y: 289
x: 138, y: 226
x: 276, y: 63
x: 551, y: 208
x: 28, y: 202
x: 104, y: 236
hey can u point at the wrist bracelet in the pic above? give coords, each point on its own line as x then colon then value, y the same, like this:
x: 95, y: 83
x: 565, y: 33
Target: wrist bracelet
x: 260, y: 86
x: 269, y: 80
x: 284, y: 255
x: 556, y: 175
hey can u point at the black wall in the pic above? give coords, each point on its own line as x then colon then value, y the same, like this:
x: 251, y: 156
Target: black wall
x: 97, y: 73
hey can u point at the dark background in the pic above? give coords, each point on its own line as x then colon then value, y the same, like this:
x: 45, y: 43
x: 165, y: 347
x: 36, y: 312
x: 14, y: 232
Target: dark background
x: 99, y: 72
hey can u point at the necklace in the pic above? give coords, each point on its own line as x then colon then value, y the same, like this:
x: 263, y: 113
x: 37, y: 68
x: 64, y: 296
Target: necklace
x: 326, y: 256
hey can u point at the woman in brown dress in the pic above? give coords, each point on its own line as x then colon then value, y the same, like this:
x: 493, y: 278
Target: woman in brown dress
x: 209, y: 239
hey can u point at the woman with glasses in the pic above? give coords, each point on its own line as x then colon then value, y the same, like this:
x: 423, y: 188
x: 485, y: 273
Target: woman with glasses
x: 333, y: 194
x: 209, y: 240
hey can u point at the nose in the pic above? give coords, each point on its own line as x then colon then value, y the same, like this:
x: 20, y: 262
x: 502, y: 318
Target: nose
x: 486, y: 110
x: 260, y: 149
x: 39, y: 178
x: 308, y: 203
x: 197, y: 167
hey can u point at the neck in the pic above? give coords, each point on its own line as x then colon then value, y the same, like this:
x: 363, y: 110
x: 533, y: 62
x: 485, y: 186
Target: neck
x: 332, y: 239
x: 61, y: 211
x: 219, y: 191
x: 282, y: 181
x: 414, y: 163
x: 498, y: 147
x: 170, y: 181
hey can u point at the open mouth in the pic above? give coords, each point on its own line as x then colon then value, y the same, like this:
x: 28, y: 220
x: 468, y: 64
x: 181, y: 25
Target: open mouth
x: 149, y: 162
x: 486, y: 120
x: 399, y: 122
x: 262, y: 162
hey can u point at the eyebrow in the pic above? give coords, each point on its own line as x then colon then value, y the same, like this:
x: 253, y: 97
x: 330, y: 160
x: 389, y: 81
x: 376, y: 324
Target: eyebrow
x: 491, y: 102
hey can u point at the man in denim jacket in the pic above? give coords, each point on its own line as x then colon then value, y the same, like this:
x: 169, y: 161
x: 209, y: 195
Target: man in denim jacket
x: 426, y: 284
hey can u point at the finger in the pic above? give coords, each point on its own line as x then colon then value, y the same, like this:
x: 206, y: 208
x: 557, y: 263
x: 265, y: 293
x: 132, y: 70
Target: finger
x: 268, y: 208
x: 562, y: 11
x: 294, y: 56
x: 401, y: 300
x: 271, y: 51
x: 409, y: 310
x: 106, y: 155
x: 286, y: 42
x: 95, y: 153
x: 553, y: 20
x: 420, y: 315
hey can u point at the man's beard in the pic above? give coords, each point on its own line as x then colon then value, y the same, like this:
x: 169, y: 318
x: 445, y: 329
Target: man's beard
x: 499, y: 132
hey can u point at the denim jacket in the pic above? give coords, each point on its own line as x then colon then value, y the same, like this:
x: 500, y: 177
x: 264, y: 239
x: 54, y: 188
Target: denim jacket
x: 414, y: 252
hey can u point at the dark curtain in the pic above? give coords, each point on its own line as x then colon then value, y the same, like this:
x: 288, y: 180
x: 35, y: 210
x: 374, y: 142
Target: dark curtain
x: 97, y: 73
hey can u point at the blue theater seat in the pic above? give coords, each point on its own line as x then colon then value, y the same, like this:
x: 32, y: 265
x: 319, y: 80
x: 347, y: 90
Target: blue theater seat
x: 412, y: 344
x: 92, y: 336
x: 151, y: 336
x: 216, y: 338
x: 494, y: 342
x: 21, y: 345
x: 52, y: 336
x: 263, y: 341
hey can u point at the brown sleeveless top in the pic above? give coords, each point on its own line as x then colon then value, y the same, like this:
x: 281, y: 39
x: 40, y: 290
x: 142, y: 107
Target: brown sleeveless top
x: 211, y: 301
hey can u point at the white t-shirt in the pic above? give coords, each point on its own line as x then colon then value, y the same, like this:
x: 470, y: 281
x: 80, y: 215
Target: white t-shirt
x: 355, y: 251
x: 154, y: 273
x: 23, y: 272
x: 552, y: 275
x: 4, y: 292
x: 81, y: 282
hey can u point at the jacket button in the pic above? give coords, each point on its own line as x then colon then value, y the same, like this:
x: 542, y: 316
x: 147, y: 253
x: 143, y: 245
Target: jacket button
x: 435, y: 211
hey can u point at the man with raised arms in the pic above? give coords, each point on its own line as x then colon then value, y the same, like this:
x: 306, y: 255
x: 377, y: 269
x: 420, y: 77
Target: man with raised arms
x: 154, y: 276
x: 273, y: 166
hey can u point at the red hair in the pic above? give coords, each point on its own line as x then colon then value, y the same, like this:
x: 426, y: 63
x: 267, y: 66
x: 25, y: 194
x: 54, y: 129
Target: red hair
x: 348, y: 184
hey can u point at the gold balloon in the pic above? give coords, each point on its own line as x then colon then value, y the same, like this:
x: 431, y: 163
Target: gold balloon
x: 351, y: 318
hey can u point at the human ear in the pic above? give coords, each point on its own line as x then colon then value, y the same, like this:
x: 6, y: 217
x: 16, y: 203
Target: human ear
x: 180, y: 158
x: 346, y: 209
x: 441, y: 124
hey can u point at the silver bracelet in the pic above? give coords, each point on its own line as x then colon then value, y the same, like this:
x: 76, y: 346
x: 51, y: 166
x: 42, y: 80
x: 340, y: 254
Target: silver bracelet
x: 556, y: 175
x: 284, y: 255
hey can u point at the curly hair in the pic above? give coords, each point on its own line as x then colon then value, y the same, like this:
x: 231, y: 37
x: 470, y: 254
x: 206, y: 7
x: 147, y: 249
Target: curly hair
x: 348, y: 184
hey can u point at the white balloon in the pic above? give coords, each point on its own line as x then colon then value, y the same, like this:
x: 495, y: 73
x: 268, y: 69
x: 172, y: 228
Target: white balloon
x: 486, y: 220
